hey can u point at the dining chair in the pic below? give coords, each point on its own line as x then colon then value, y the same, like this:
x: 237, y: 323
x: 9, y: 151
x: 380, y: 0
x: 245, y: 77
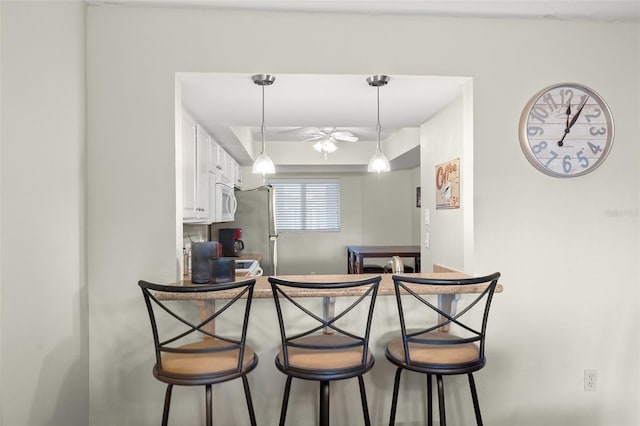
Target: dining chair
x: 189, y: 351
x: 324, y: 349
x: 442, y: 344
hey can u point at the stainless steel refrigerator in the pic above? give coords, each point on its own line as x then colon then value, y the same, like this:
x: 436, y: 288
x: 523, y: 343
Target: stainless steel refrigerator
x: 255, y: 215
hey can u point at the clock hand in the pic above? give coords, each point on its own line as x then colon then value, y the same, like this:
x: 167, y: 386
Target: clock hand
x: 575, y: 117
x: 566, y: 125
x: 573, y: 120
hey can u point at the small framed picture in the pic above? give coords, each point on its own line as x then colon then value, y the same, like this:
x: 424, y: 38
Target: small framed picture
x: 418, y: 198
x: 448, y: 185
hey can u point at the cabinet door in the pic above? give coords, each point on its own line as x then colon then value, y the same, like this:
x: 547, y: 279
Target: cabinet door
x: 216, y: 158
x: 238, y: 174
x: 212, y: 198
x: 189, y: 189
x: 213, y: 156
x: 202, y: 173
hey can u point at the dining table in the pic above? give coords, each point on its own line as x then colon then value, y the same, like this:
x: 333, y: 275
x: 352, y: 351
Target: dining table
x: 357, y: 254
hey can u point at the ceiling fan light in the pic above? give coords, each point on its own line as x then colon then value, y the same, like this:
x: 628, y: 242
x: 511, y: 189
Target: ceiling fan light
x: 325, y: 146
x: 330, y: 147
x: 263, y: 165
x: 378, y: 163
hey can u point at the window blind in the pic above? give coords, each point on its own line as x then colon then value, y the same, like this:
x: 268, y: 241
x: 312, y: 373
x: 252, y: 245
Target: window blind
x: 304, y: 205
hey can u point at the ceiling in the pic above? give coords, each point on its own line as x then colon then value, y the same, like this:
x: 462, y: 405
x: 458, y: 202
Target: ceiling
x: 601, y: 10
x: 229, y: 105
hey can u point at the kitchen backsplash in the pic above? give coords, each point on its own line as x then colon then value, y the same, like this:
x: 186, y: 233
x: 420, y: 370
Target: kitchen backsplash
x: 193, y: 233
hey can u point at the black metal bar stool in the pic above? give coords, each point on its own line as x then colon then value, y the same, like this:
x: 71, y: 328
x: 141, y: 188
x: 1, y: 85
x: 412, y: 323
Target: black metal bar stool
x: 188, y: 353
x: 444, y: 344
x: 307, y: 352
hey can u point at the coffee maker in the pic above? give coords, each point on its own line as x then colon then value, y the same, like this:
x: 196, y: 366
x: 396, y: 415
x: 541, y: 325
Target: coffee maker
x: 232, y: 245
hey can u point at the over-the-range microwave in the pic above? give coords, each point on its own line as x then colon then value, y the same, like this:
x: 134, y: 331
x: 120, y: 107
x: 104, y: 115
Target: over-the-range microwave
x: 225, y: 202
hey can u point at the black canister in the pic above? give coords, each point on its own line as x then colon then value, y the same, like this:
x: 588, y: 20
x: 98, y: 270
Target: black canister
x: 222, y: 270
x: 201, y: 253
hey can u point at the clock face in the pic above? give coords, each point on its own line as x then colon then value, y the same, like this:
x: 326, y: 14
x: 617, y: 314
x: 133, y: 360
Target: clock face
x: 566, y: 130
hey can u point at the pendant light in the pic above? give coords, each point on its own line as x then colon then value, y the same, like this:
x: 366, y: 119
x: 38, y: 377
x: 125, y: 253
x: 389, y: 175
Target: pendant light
x: 263, y: 164
x: 378, y: 162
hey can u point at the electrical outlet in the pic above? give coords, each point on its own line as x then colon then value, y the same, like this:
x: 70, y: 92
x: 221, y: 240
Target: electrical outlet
x: 590, y: 380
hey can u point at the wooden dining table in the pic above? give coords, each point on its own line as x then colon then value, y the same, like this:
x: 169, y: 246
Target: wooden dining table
x: 357, y: 254
x: 447, y: 295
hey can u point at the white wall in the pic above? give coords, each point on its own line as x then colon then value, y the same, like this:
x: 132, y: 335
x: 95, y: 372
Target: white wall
x: 561, y: 244
x: 45, y: 356
x: 442, y: 140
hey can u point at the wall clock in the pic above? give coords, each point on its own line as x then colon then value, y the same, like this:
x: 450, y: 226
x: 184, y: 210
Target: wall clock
x: 566, y: 130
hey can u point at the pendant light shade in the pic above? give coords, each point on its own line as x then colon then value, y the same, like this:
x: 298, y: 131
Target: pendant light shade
x: 378, y: 163
x: 263, y: 164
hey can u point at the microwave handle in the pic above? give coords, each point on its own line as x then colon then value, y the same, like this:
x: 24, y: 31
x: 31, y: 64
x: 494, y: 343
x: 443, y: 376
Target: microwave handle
x: 234, y: 203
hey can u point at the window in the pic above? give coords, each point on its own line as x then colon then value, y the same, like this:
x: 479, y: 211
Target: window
x: 304, y: 205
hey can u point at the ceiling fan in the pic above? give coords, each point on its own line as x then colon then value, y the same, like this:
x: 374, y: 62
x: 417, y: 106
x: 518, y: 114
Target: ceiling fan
x: 326, y: 137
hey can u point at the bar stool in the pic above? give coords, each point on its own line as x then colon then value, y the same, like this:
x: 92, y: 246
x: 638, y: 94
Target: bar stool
x: 450, y: 344
x: 310, y: 352
x: 188, y: 351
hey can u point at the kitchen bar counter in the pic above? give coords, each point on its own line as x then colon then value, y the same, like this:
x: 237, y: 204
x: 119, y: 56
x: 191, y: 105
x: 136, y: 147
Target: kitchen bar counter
x: 262, y: 288
x: 447, y: 294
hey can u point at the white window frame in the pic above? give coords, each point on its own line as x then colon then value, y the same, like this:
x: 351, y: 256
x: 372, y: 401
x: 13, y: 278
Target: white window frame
x: 299, y: 213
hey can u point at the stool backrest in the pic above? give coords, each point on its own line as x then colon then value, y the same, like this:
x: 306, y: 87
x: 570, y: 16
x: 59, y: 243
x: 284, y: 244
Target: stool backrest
x: 469, y: 320
x: 345, y: 322
x: 176, y: 319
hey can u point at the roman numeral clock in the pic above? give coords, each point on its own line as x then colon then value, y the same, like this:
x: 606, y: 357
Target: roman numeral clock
x: 566, y: 130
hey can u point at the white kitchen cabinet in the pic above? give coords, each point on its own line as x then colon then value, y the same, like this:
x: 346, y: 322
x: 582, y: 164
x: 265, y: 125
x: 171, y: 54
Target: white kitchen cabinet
x: 204, y: 164
x: 212, y: 197
x: 238, y: 175
x: 188, y: 142
x: 202, y: 174
x: 213, y: 156
x: 229, y: 169
x: 195, y: 171
x: 216, y: 158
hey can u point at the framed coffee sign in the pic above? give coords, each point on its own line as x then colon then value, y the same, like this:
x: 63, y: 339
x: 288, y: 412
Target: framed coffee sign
x: 448, y: 185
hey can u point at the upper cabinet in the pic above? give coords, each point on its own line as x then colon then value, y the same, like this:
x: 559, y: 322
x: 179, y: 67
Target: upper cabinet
x: 204, y: 163
x: 195, y: 159
x: 238, y: 175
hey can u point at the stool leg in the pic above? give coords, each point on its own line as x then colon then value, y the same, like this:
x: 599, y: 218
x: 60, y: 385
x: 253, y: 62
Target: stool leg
x: 209, y: 405
x: 167, y: 403
x: 285, y: 400
x: 394, y: 398
x: 474, y: 396
x: 443, y: 420
x: 429, y: 401
x: 247, y: 394
x: 324, y: 403
x: 363, y: 397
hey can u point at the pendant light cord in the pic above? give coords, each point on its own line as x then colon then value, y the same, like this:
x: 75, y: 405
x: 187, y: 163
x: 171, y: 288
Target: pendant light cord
x: 262, y: 126
x: 378, y: 127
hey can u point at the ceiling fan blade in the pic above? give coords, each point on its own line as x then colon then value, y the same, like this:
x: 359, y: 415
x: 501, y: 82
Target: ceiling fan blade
x: 302, y: 131
x: 314, y: 138
x: 345, y: 137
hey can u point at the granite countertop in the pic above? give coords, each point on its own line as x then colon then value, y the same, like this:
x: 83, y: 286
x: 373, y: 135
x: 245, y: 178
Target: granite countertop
x: 262, y: 288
